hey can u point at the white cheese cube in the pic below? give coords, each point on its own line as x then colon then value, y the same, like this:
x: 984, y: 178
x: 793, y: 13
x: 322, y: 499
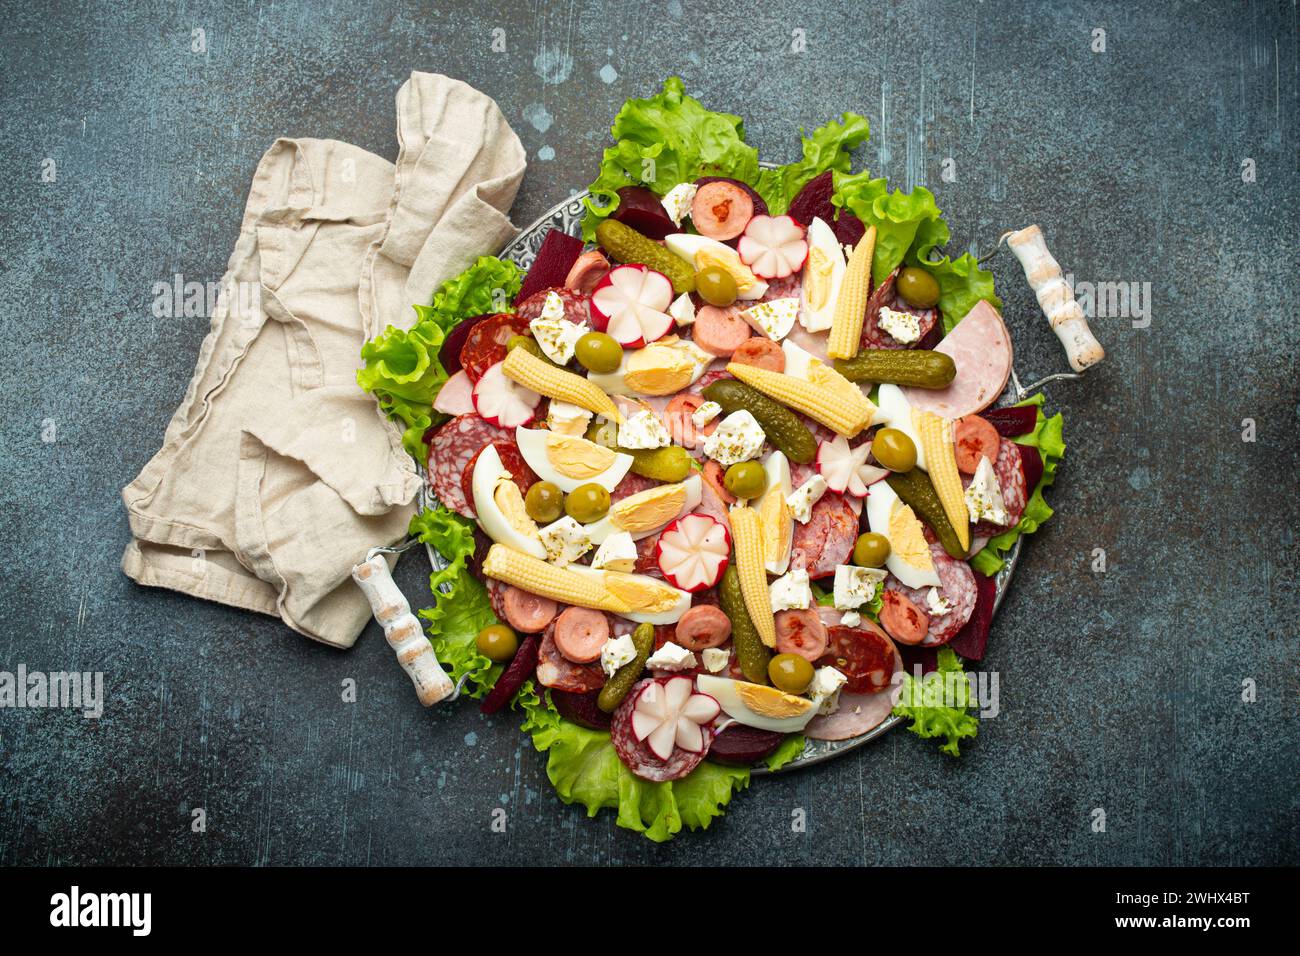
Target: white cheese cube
x: 616, y: 652
x: 705, y: 414
x: 683, y: 310
x: 790, y: 592
x: 670, y: 657
x: 616, y: 553
x: 556, y: 335
x: 802, y: 499
x: 984, y: 496
x: 773, y: 318
x: 565, y: 541
x: 825, y: 689
x: 851, y: 619
x: 677, y: 201
x: 715, y: 659
x: 937, y: 603
x: 855, y: 586
x: 902, y: 327
x: 643, y: 430
x: 564, y: 418
x: 739, y: 438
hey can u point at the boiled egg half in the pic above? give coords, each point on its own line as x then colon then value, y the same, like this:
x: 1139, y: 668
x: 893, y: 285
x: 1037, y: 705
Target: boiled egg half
x: 663, y: 368
x: 499, y: 505
x: 909, y: 554
x: 757, y: 705
x: 822, y: 275
x: 702, y: 252
x: 646, y: 512
x: 774, y: 514
x: 895, y: 411
x: 570, y: 461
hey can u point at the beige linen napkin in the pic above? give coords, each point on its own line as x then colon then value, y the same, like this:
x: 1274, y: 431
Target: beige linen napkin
x: 277, y: 473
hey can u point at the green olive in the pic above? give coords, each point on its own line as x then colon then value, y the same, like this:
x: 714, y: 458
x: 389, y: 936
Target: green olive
x: 745, y: 479
x: 527, y: 343
x: 544, y: 501
x: 497, y: 643
x: 917, y: 287
x: 716, y: 286
x: 790, y: 673
x: 587, y: 503
x: 871, y: 550
x: 598, y: 352
x: 894, y: 449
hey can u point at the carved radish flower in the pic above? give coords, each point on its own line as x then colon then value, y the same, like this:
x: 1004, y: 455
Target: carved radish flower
x: 845, y: 468
x: 693, y: 552
x: 669, y: 713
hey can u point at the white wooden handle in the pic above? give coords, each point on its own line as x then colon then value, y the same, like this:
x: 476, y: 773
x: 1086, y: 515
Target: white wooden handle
x: 1055, y: 298
x: 402, y: 629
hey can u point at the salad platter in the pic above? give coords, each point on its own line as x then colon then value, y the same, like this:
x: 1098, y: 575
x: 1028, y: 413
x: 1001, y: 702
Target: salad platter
x: 727, y: 468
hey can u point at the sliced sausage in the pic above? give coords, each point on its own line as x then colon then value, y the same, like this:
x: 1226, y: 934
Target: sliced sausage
x: 760, y: 352
x: 526, y: 612
x: 827, y: 540
x: 677, y: 419
x: 905, y: 622
x: 800, y: 632
x: 720, y: 331
x: 587, y: 271
x: 713, y: 476
x: 580, y: 633
x: 974, y: 438
x: 703, y: 626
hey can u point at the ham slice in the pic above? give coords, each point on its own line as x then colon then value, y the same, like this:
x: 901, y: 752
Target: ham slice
x: 981, y: 349
x: 857, y: 713
x: 456, y: 397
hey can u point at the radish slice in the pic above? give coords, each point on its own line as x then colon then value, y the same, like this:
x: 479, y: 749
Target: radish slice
x: 773, y: 247
x: 693, y: 552
x: 631, y: 305
x: 670, y: 714
x: 502, y: 402
x: 845, y: 468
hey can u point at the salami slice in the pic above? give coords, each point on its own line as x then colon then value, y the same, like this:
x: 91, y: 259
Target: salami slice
x: 636, y: 754
x: 557, y: 671
x: 1010, y: 472
x: 864, y: 654
x: 451, y: 452
x: 576, y: 306
x: 511, y: 459
x: 486, y: 343
x: 827, y: 539
x: 884, y: 296
x: 956, y: 585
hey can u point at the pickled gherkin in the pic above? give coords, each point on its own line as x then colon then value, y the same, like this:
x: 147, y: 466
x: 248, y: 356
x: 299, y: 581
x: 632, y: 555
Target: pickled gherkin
x: 752, y: 654
x: 916, y: 491
x: 781, y: 426
x: 627, y: 245
x: 920, y: 368
x: 616, y: 688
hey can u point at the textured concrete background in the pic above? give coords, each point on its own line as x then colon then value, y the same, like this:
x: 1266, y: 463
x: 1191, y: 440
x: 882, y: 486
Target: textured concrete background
x: 1120, y: 690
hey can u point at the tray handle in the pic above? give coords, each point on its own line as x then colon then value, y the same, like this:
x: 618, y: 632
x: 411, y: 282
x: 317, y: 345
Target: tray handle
x: 1055, y: 297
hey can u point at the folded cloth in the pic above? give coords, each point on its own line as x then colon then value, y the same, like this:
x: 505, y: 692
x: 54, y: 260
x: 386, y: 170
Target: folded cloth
x: 277, y: 473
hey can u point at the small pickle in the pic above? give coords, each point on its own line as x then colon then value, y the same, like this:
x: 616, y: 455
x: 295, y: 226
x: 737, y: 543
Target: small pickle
x: 751, y: 652
x: 871, y: 550
x: 915, y: 490
x: 497, y: 643
x: 616, y: 688
x: 716, y: 286
x: 745, y: 479
x: 627, y: 245
x: 790, y: 673
x: 781, y: 426
x: 660, y: 464
x: 894, y: 449
x: 598, y: 352
x: 920, y: 368
x: 587, y: 503
x: 544, y: 502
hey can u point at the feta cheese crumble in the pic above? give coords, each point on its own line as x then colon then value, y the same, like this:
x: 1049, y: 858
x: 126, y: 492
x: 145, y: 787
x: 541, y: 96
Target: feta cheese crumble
x: 855, y: 586
x: 825, y: 689
x: 802, y: 499
x: 705, y: 414
x: 790, y: 592
x: 643, y: 430
x: 984, y: 496
x: 902, y: 327
x: 677, y: 201
x: 715, y: 659
x: 739, y: 438
x: 670, y: 657
x: 683, y: 310
x: 556, y: 335
x: 616, y: 553
x: 937, y: 603
x: 616, y: 652
x: 773, y: 318
x: 565, y: 541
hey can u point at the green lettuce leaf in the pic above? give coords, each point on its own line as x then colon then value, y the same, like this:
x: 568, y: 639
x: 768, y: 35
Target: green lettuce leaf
x: 827, y: 148
x: 402, y: 369
x: 937, y: 704
x: 665, y: 140
x: 962, y: 282
x: 584, y: 768
x: 461, y: 607
x: 897, y: 216
x: 789, y: 749
x: 871, y: 609
x: 1048, y: 438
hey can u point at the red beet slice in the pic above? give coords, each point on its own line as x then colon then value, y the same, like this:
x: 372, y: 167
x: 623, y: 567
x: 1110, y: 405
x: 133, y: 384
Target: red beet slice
x: 641, y: 210
x: 555, y: 258
x: 972, y: 639
x: 1031, y: 462
x: 743, y: 745
x: 521, y: 667
x: 914, y: 654
x: 581, y: 709
x: 449, y: 351
x: 1013, y: 420
x: 814, y: 201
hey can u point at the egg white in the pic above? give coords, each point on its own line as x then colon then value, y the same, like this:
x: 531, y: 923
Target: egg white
x: 532, y: 444
x: 821, y: 237
x: 724, y: 691
x: 598, y: 531
x: 777, y: 468
x: 894, y: 411
x: 488, y: 470
x: 685, y: 245
x: 880, y: 506
x: 615, y: 382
